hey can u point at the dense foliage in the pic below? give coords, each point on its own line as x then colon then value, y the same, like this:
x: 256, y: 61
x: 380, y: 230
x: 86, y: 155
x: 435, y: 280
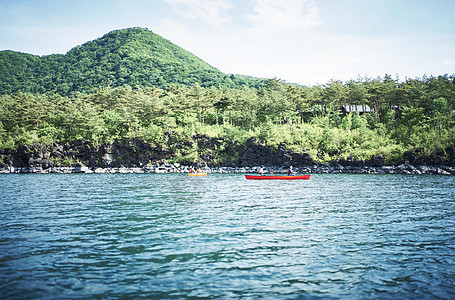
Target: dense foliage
x: 133, y: 84
x: 416, y: 113
x: 134, y: 56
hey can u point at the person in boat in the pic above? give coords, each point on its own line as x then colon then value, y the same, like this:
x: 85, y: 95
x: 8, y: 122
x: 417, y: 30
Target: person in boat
x: 198, y: 170
x: 192, y: 170
x: 261, y: 171
x: 290, y: 171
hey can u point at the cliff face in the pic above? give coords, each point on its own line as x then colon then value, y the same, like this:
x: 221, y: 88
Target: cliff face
x: 136, y: 153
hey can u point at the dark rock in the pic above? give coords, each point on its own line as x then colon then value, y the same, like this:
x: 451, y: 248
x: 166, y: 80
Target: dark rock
x: 213, y: 152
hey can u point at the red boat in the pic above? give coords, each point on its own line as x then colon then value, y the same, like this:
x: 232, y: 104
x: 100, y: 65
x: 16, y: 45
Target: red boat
x: 277, y: 177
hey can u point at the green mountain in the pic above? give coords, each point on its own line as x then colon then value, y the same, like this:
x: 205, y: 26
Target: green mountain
x: 134, y: 56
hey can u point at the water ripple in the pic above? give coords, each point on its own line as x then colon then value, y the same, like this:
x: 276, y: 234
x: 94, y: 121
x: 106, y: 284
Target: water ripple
x: 169, y: 236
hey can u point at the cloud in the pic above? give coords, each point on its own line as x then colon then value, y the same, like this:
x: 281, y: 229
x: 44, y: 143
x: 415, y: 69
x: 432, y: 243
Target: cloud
x: 273, y: 16
x: 213, y: 12
x: 449, y: 62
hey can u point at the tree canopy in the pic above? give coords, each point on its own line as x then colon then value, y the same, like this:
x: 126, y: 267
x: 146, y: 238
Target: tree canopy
x: 305, y: 119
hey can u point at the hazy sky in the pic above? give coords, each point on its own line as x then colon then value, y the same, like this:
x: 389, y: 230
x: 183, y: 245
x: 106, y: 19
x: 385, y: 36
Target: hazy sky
x: 300, y: 41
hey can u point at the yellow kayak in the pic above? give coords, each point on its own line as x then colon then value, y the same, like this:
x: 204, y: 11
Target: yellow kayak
x: 197, y: 174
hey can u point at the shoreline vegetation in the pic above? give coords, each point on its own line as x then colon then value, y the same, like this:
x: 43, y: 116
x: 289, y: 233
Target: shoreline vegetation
x: 132, y: 99
x: 115, y: 127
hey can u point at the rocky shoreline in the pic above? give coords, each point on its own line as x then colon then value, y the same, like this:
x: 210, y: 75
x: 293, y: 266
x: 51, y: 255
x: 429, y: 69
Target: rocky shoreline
x: 135, y: 156
x: 406, y: 169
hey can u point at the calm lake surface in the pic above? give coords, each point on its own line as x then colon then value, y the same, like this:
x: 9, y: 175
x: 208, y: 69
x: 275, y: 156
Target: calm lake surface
x: 170, y: 236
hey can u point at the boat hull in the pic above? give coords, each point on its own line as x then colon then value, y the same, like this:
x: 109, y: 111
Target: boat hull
x: 278, y: 177
x: 197, y: 174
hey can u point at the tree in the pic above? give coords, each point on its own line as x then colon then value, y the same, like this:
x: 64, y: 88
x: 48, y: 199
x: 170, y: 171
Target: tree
x: 441, y: 115
x: 224, y: 103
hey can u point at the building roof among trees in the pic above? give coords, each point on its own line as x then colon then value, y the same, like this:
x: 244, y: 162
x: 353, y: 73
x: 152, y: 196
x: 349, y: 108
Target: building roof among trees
x: 356, y: 108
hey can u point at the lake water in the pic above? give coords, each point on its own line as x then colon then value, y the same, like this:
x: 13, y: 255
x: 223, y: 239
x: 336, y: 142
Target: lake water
x: 170, y: 236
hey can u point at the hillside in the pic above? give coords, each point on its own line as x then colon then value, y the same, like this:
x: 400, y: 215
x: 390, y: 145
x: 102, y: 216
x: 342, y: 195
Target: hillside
x: 134, y: 56
x: 140, y: 89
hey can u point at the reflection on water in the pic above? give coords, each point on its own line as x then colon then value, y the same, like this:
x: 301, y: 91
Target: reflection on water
x: 221, y: 236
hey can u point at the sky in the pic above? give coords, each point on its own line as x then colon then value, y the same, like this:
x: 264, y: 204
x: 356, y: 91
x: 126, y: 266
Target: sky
x: 308, y: 42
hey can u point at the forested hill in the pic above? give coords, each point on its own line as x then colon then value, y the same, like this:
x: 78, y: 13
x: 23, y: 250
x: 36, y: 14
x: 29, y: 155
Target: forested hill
x: 134, y: 56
